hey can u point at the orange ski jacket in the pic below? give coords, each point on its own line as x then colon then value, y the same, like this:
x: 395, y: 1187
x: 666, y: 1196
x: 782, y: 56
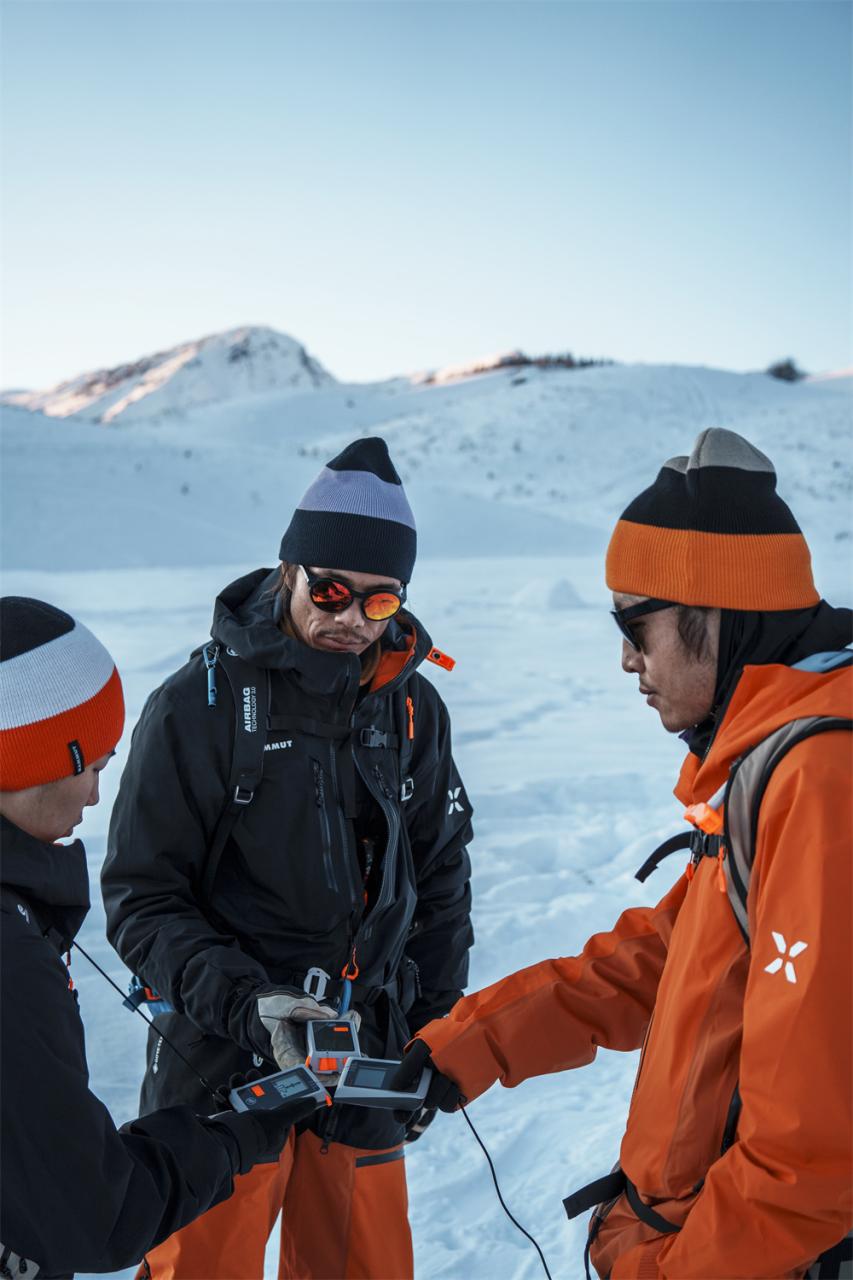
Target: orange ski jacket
x: 713, y: 1013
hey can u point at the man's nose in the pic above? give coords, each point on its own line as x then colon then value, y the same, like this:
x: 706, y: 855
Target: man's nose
x: 632, y: 659
x: 348, y: 611
x: 95, y: 793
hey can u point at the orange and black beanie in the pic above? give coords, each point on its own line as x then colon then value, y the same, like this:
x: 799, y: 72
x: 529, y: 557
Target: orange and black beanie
x: 713, y: 531
x: 355, y: 516
x: 61, y: 702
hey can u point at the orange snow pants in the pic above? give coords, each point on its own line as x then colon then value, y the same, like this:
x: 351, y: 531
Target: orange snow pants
x: 345, y: 1217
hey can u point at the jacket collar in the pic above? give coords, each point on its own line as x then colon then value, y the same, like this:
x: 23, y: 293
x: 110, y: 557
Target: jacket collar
x: 53, y: 878
x: 766, y: 697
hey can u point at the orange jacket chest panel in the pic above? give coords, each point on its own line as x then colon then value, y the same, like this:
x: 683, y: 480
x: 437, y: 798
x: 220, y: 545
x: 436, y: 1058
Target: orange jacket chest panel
x: 690, y: 1066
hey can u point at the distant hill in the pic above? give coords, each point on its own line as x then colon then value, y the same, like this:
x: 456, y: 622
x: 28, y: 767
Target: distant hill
x: 530, y: 462
x: 217, y: 369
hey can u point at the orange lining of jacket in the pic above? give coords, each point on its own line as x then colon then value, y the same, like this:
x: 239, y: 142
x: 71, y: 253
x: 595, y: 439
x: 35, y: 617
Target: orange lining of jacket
x: 392, y: 663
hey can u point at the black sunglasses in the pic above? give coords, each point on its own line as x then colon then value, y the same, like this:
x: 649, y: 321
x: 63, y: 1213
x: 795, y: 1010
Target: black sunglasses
x: 624, y: 617
x: 333, y: 595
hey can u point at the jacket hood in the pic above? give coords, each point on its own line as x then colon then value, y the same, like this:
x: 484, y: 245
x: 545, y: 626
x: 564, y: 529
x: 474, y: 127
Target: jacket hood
x: 766, y: 697
x: 244, y: 620
x: 53, y: 878
x: 759, y: 638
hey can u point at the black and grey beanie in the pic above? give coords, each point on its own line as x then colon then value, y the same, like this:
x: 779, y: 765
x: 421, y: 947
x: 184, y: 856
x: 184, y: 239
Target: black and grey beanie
x: 355, y: 516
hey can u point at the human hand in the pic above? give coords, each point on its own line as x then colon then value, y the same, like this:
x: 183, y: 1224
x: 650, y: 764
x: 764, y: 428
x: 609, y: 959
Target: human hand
x: 418, y: 1121
x: 260, y: 1135
x: 443, y: 1094
x: 274, y: 1024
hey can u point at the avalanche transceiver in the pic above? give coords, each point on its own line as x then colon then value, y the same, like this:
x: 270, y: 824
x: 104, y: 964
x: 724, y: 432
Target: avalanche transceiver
x: 330, y: 1044
x: 279, y: 1090
x: 364, y: 1083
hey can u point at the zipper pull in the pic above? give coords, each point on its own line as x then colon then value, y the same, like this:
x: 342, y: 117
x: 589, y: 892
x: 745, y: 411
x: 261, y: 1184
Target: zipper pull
x: 721, y: 875
x: 210, y: 653
x: 383, y: 785
x: 690, y: 869
x: 410, y: 707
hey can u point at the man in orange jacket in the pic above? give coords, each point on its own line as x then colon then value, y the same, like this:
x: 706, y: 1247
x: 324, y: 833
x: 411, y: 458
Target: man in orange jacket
x: 737, y: 1160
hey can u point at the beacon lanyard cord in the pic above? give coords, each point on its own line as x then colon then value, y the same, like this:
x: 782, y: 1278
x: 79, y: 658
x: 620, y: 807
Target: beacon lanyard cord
x: 513, y: 1220
x: 208, y: 1086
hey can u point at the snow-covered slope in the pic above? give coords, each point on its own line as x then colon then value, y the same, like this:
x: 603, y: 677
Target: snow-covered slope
x: 503, y: 463
x: 516, y: 478
x: 220, y: 368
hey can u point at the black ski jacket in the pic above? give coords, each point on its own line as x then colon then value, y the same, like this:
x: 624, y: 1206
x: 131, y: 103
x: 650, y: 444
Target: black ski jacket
x: 76, y: 1194
x: 288, y: 890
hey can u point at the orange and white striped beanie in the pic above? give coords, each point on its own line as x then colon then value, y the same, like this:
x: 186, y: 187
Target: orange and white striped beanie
x: 713, y: 531
x: 61, y: 701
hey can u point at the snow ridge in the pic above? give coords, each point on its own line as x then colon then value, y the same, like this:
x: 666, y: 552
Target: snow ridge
x: 218, y: 368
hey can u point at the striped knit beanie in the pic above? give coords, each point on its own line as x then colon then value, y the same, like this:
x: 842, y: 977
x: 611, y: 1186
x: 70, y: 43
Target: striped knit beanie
x: 713, y: 531
x: 355, y: 516
x: 61, y: 703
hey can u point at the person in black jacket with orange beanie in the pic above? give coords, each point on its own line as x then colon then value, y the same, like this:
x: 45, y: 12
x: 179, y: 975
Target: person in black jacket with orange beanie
x: 349, y: 857
x: 77, y: 1194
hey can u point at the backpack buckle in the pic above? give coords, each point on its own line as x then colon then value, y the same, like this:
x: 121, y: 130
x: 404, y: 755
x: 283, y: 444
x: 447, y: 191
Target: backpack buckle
x: 242, y: 795
x: 407, y: 790
x: 373, y: 738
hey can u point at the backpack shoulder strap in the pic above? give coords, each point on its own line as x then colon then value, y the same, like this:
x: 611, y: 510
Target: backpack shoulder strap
x: 250, y: 689
x: 747, y: 782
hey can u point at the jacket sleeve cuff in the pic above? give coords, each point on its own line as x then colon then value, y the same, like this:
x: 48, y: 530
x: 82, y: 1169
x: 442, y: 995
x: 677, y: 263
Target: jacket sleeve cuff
x: 241, y: 1137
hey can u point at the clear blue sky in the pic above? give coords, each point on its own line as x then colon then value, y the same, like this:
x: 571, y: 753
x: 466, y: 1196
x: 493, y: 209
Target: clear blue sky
x: 406, y: 184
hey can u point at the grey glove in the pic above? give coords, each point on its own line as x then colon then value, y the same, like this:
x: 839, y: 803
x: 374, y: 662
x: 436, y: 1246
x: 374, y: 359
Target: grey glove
x: 282, y: 1015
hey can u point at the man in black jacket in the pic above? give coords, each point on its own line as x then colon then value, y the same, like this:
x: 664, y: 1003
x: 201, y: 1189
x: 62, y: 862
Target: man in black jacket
x: 347, y: 855
x: 77, y: 1194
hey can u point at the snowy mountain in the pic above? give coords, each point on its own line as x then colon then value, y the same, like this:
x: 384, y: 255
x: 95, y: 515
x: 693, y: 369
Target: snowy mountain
x: 217, y: 369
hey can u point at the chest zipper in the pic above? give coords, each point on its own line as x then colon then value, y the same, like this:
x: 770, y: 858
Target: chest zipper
x: 385, y: 797
x: 346, y: 853
x: 646, y: 1039
x: 325, y: 831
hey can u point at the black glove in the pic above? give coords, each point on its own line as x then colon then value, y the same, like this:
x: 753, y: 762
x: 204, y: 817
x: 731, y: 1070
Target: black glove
x: 262, y: 1140
x: 418, y: 1121
x: 443, y: 1094
x: 259, y: 1135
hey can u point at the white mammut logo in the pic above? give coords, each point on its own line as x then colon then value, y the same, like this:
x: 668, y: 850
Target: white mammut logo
x: 453, y: 797
x: 782, y: 947
x: 24, y: 912
x: 250, y: 709
x: 279, y: 746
